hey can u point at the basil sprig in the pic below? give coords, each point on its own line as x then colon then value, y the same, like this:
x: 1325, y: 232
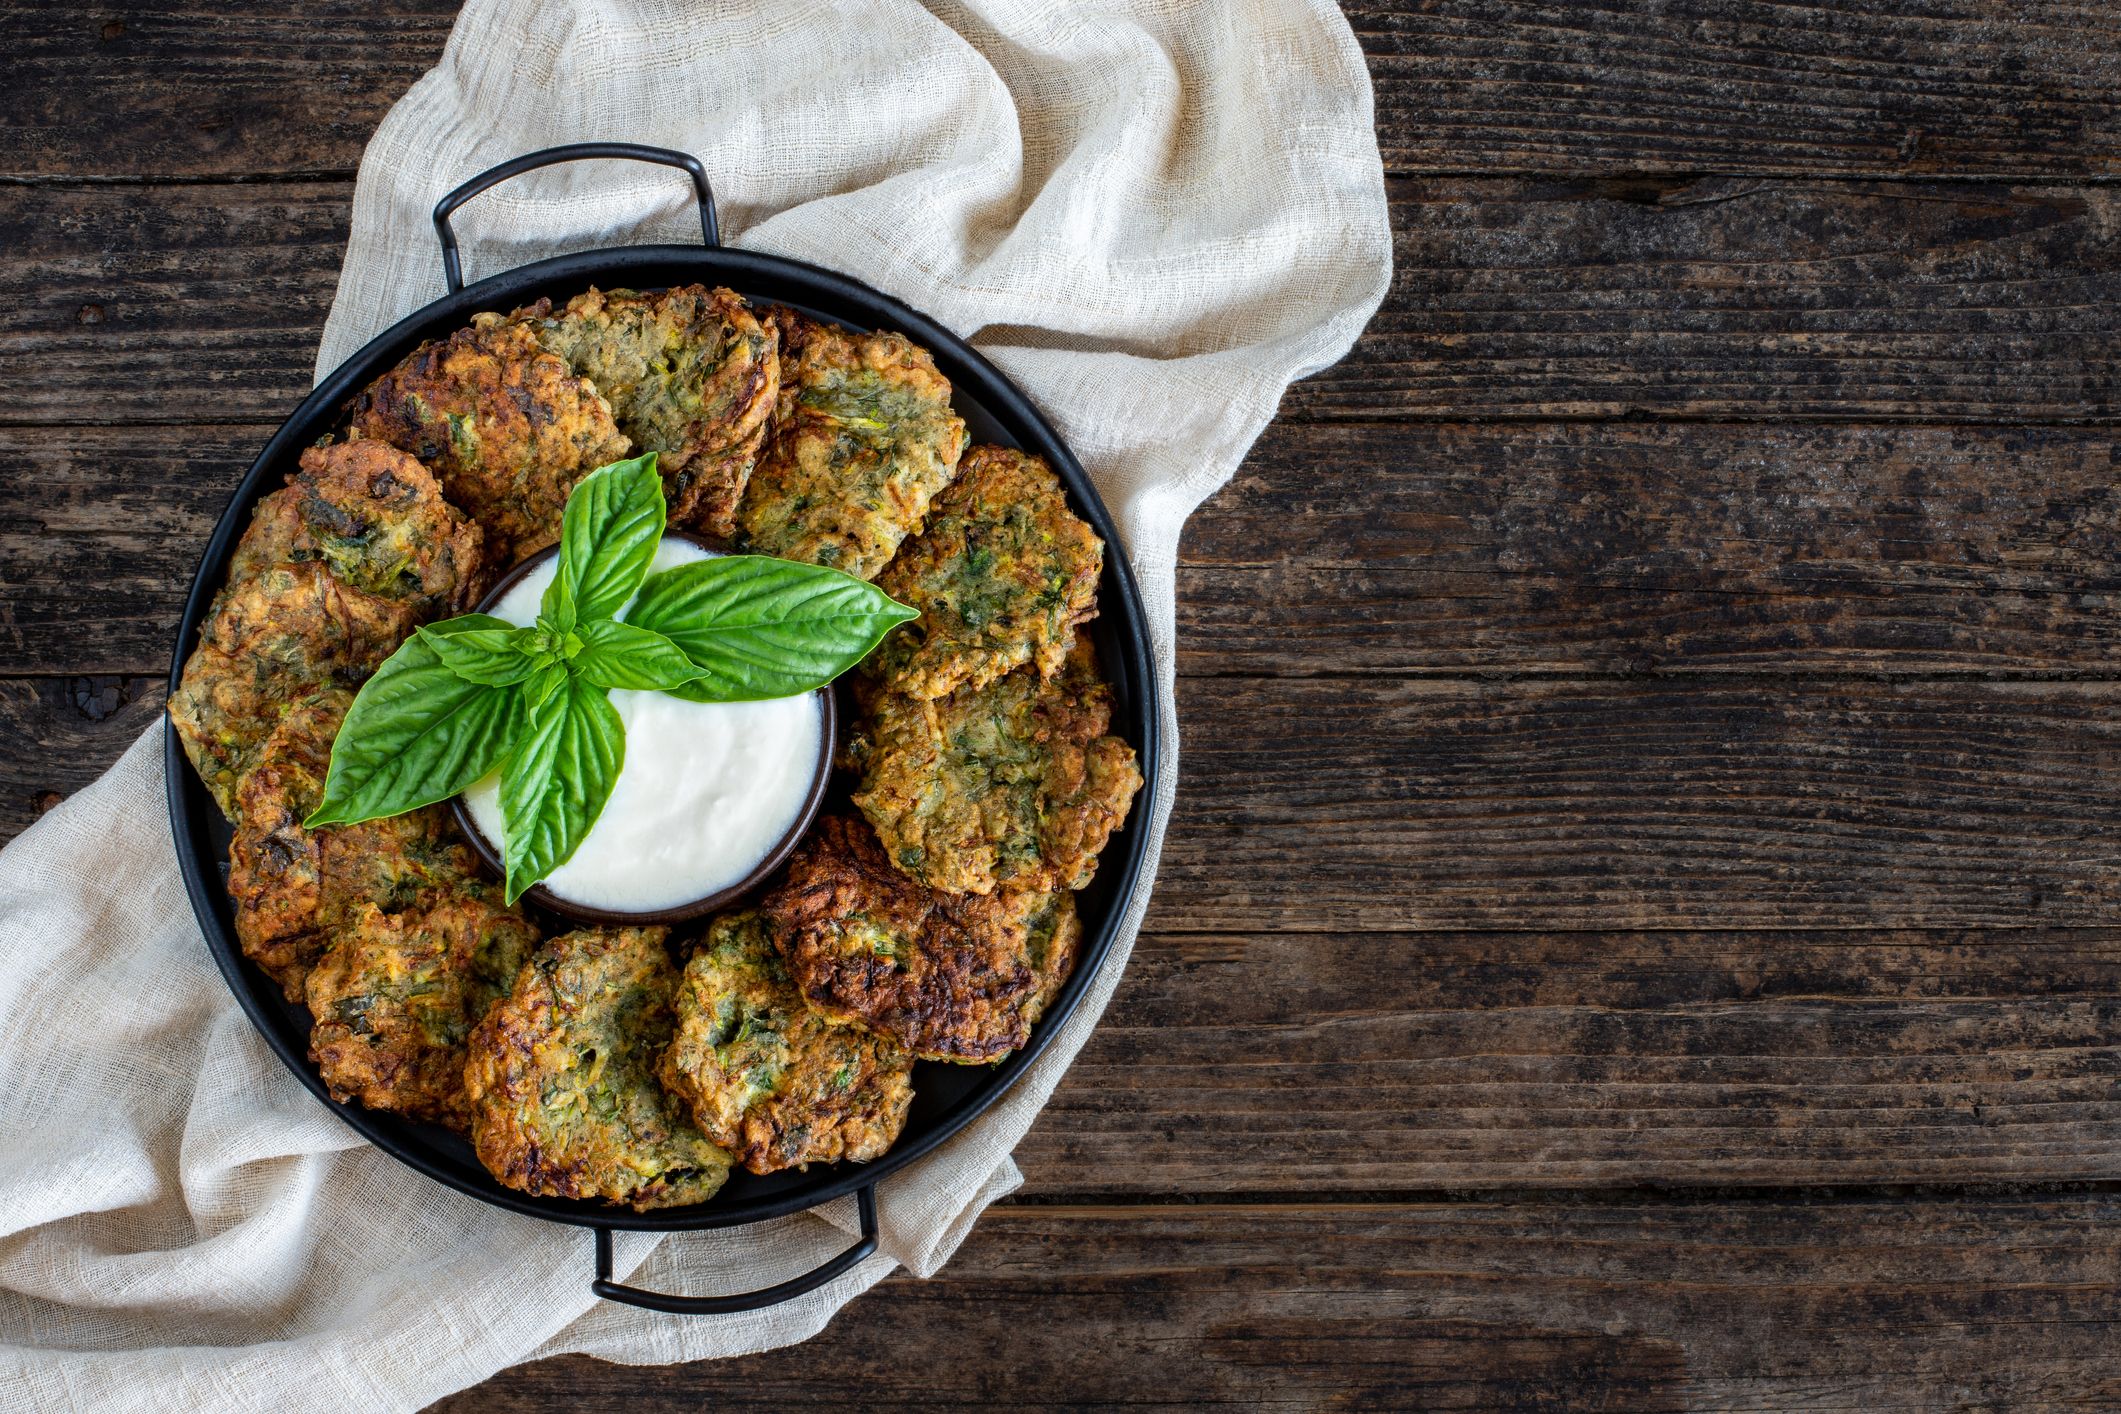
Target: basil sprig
x: 464, y: 698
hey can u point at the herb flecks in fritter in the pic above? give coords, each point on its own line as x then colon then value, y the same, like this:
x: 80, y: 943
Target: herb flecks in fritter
x: 377, y: 520
x: 1001, y: 576
x: 691, y: 374
x: 561, y: 1078
x: 294, y: 888
x: 1053, y: 935
x: 508, y: 427
x: 949, y: 977
x: 334, y: 570
x: 396, y: 995
x: 268, y: 639
x: 773, y: 1082
x: 862, y: 439
x: 1007, y: 781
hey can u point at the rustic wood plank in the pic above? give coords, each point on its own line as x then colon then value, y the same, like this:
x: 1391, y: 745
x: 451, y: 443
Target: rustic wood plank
x: 57, y: 734
x: 1369, y: 1063
x: 159, y: 304
x: 207, y: 90
x: 1657, y: 549
x: 1965, y: 87
x: 1730, y: 298
x: 1972, y: 87
x: 1870, y: 1305
x: 1411, y: 549
x: 1326, y: 805
x: 1511, y: 299
x: 1364, y: 804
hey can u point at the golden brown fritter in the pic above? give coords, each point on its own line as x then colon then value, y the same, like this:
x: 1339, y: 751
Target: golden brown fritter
x: 564, y: 1099
x: 508, y: 428
x: 947, y: 976
x: 294, y: 888
x: 1053, y: 938
x: 691, y: 374
x: 376, y: 519
x: 396, y: 994
x: 862, y: 439
x: 1002, y: 782
x: 267, y: 640
x: 1001, y: 576
x: 773, y: 1082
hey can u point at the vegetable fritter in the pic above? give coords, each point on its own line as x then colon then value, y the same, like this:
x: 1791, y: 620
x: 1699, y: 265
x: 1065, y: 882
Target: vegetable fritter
x: 293, y: 887
x: 998, y: 783
x: 947, y: 976
x: 396, y: 995
x: 377, y: 520
x: 1001, y: 576
x: 564, y: 1099
x: 691, y: 374
x: 508, y: 428
x: 767, y: 1078
x: 1053, y: 937
x: 267, y: 640
x: 862, y: 439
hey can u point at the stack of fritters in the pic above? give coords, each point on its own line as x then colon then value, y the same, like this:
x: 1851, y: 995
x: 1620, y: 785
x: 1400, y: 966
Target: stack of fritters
x: 938, y: 924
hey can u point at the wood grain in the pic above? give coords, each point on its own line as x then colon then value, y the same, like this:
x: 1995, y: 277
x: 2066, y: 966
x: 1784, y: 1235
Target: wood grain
x: 1972, y: 87
x: 63, y: 732
x: 1367, y: 805
x: 1739, y: 298
x: 1366, y: 1063
x: 1769, y: 298
x: 1668, y: 550
x: 1400, y: 549
x: 1849, y: 1305
x: 1962, y: 87
x: 207, y: 90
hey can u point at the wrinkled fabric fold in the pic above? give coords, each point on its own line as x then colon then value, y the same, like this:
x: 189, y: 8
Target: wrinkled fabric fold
x: 1152, y: 214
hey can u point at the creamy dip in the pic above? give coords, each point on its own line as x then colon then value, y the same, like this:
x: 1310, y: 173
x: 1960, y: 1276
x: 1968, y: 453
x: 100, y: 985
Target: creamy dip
x: 706, y: 791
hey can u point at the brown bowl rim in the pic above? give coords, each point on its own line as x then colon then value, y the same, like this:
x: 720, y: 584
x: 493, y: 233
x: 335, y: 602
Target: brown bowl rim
x: 828, y: 716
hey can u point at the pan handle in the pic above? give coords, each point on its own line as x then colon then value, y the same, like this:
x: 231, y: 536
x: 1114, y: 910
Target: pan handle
x: 452, y: 267
x: 604, y: 1286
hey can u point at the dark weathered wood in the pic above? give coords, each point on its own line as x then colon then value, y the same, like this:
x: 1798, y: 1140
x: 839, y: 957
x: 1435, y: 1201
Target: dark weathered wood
x: 1664, y: 549
x: 1324, y: 805
x: 129, y: 88
x: 1374, y: 1062
x: 58, y: 734
x: 1379, y: 805
x: 1976, y: 87
x: 1712, y: 1306
x: 1755, y: 299
x: 1398, y: 549
x: 165, y: 304
x: 1743, y: 298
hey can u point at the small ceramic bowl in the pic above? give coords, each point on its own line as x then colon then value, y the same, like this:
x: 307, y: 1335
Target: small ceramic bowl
x: 828, y: 718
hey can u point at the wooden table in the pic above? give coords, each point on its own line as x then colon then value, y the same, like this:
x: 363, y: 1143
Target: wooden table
x: 1639, y: 926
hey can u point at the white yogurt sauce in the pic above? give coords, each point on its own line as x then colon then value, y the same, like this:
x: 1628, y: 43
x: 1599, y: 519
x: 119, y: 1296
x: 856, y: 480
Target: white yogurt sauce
x: 706, y: 791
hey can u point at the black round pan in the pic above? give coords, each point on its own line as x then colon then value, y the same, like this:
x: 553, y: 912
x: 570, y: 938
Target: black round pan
x: 947, y: 1097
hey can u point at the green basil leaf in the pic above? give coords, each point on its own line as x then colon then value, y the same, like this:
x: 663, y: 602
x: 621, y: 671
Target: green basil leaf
x: 479, y: 648
x: 763, y: 627
x: 542, y: 684
x: 556, y: 782
x: 616, y: 654
x: 608, y: 538
x: 416, y: 734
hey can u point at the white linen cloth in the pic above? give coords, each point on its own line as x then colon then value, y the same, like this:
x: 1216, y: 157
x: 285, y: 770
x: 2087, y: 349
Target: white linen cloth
x: 1153, y: 214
